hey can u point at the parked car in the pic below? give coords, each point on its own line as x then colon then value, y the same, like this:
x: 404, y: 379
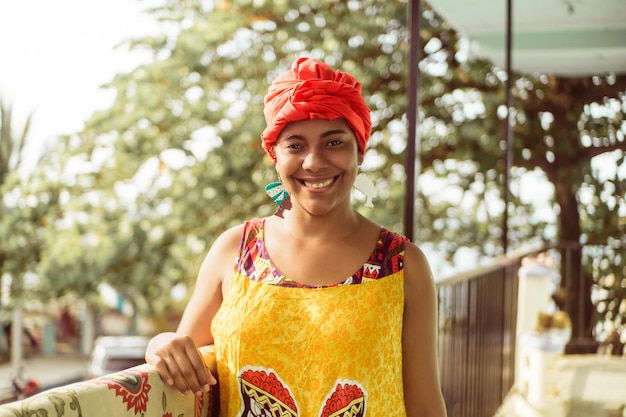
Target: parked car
x: 115, y: 353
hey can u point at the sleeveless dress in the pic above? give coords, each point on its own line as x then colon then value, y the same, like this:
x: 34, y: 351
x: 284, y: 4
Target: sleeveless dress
x: 286, y: 349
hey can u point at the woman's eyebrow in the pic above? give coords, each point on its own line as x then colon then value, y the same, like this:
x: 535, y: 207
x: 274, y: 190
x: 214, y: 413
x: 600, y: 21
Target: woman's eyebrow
x: 334, y: 132
x: 323, y: 135
x: 291, y: 136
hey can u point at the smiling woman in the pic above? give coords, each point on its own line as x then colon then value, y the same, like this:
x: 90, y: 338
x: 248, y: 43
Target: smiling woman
x: 314, y: 310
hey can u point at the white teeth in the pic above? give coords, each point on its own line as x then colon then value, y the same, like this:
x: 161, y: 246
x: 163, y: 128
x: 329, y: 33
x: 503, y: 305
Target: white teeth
x: 319, y: 184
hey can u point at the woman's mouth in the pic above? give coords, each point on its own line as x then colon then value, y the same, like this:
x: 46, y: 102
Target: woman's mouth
x: 319, y: 184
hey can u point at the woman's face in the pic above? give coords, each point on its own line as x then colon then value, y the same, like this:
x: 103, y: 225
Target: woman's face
x: 317, y: 161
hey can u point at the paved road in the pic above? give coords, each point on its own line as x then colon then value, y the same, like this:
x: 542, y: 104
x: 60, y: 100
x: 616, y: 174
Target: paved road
x: 50, y: 371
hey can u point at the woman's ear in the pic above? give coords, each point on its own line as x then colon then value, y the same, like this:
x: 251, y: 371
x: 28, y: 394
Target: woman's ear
x: 272, y: 153
x: 360, y: 158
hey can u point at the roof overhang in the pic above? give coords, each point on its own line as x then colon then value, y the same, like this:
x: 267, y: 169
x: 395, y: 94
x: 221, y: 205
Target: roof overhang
x: 559, y: 37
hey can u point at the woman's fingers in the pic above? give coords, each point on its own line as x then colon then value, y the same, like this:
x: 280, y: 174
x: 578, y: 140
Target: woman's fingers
x: 194, y: 371
x: 179, y: 363
x: 161, y: 367
x: 178, y: 378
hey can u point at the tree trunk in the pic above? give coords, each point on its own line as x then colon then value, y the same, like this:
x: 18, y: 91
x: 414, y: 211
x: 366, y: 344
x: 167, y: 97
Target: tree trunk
x: 574, y: 294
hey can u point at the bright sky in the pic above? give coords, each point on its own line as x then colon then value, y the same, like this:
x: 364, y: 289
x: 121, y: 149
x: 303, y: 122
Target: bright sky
x: 54, y: 55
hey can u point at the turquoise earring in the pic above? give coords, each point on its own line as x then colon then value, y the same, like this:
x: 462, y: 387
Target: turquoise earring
x: 276, y: 190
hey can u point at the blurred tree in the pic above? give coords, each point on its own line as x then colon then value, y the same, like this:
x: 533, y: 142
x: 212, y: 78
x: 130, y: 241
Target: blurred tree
x: 18, y: 251
x: 177, y: 159
x: 11, y: 144
x: 563, y: 128
x: 30, y: 196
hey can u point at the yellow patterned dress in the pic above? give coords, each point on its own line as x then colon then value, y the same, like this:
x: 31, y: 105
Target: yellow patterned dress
x: 284, y: 349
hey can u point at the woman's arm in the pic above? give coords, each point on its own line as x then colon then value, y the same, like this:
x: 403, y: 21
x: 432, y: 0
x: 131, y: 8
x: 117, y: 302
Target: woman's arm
x: 422, y: 390
x: 175, y: 354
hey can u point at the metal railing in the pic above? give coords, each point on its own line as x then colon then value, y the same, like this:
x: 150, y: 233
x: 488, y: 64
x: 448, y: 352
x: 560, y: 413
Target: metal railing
x: 477, y: 325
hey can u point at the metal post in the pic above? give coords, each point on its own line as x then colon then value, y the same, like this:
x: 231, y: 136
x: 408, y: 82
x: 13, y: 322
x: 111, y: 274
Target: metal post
x: 412, y: 155
x: 508, y: 158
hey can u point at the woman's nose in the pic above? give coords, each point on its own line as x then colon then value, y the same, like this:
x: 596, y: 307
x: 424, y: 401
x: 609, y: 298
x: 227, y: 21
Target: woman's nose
x: 314, y: 160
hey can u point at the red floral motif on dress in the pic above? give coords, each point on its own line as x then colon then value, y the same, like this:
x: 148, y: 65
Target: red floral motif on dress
x: 132, y: 386
x: 347, y: 400
x: 264, y: 394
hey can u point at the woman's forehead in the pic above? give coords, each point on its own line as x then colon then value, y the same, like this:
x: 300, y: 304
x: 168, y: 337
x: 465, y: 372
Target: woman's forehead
x: 317, y: 125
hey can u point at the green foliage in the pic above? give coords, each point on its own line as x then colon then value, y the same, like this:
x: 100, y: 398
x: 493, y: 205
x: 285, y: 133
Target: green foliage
x: 11, y: 143
x: 148, y: 184
x: 19, y: 217
x: 177, y: 158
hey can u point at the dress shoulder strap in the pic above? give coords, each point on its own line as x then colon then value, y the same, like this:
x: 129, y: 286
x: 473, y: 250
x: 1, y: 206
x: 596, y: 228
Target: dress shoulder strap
x: 252, y: 258
x: 387, y: 257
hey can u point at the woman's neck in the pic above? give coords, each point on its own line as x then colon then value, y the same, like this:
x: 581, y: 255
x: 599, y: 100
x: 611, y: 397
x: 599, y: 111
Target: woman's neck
x: 336, y: 225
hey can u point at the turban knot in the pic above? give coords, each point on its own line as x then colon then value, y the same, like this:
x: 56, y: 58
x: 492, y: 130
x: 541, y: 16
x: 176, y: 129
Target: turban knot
x: 313, y: 90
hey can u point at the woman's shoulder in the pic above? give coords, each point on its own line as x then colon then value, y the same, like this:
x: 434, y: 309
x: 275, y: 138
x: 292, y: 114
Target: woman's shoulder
x: 415, y: 262
x: 229, y: 240
x: 237, y: 231
x: 230, y: 235
x: 417, y: 267
x: 395, y: 237
x: 226, y: 247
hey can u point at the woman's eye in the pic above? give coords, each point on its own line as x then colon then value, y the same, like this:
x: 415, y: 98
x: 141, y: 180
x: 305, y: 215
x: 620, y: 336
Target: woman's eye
x: 335, y: 142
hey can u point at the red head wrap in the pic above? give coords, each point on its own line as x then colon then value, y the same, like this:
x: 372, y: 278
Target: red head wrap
x: 313, y: 90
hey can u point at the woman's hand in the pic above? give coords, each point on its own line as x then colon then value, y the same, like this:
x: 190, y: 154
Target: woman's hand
x: 179, y: 363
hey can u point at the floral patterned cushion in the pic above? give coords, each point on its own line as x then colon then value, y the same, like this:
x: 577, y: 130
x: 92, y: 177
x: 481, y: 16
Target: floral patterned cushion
x: 136, y: 392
